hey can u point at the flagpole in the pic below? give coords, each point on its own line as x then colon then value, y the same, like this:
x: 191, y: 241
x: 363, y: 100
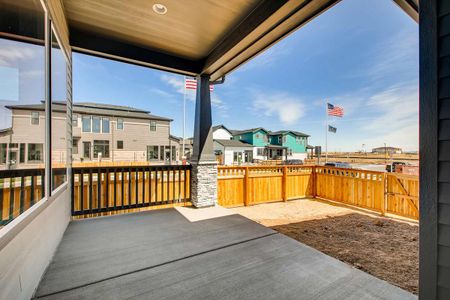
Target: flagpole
x: 184, y: 116
x: 326, y: 132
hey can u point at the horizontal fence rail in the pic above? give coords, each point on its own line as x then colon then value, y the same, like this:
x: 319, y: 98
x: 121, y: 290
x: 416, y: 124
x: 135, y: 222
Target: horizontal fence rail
x: 377, y: 191
x: 104, y: 189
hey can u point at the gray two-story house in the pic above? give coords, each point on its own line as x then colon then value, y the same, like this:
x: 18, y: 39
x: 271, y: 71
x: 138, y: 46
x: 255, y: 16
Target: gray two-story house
x: 100, y: 133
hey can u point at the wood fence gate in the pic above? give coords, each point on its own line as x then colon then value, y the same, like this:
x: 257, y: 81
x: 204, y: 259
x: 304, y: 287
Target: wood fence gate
x: 402, y: 195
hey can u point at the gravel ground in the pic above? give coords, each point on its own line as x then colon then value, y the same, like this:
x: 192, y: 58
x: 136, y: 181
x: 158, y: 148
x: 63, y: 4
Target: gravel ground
x: 383, y: 247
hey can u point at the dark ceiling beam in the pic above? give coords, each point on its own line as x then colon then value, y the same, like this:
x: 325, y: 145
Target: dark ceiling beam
x: 410, y: 7
x: 97, y: 45
x: 257, y: 16
x: 309, y: 9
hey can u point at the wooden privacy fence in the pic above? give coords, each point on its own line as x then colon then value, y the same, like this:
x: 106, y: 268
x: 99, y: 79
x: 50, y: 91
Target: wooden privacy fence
x: 104, y: 189
x: 377, y: 191
x: 260, y: 184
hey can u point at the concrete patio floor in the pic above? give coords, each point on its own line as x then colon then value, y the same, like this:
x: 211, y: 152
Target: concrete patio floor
x: 161, y: 254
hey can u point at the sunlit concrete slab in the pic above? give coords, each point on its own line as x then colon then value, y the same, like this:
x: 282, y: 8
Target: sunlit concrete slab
x: 194, y: 214
x: 161, y: 254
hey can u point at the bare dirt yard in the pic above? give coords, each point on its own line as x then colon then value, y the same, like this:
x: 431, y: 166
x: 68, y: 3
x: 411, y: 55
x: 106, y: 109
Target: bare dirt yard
x: 383, y: 247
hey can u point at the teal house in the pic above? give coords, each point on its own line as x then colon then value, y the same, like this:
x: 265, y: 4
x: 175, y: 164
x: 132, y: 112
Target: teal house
x: 283, y: 144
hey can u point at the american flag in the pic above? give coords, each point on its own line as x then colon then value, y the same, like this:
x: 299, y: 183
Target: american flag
x: 335, y: 110
x: 191, y: 84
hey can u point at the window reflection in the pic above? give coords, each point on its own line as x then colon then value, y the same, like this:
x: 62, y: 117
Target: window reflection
x: 22, y: 109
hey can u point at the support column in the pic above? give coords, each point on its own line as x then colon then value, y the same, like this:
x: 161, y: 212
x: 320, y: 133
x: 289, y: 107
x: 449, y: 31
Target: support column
x: 204, y: 165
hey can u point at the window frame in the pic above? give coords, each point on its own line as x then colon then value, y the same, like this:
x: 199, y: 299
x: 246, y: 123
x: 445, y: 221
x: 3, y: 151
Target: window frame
x: 29, y: 152
x: 35, y: 118
x: 82, y: 123
x: 93, y: 119
x: 104, y: 144
x: 152, y: 125
x: 119, y: 121
x: 84, y: 150
x: 103, y: 125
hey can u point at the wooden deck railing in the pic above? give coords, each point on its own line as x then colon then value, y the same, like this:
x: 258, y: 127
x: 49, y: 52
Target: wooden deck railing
x: 105, y: 189
x: 22, y: 188
x: 377, y: 191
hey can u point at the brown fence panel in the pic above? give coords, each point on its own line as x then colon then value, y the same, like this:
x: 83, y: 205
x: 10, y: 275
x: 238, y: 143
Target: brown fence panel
x: 265, y: 184
x: 355, y: 187
x: 239, y: 186
x: 402, y: 193
x: 231, y: 186
x: 299, y: 182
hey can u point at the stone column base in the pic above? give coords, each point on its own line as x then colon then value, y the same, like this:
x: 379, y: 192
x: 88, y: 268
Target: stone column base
x: 204, y: 183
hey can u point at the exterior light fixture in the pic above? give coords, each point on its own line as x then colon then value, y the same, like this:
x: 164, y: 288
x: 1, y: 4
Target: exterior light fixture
x: 159, y: 8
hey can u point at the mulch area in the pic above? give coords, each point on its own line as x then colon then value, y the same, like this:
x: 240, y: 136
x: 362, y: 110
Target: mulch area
x: 383, y: 247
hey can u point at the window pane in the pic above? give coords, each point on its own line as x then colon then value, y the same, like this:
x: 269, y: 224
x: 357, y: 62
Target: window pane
x: 101, y: 149
x: 119, y: 144
x: 152, y: 152
x: 75, y: 120
x: 35, y: 118
x: 59, y: 113
x: 152, y: 126
x: 96, y: 124
x: 86, y: 124
x: 22, y: 82
x: 22, y: 153
x: 119, y: 124
x: 36, y: 153
x: 105, y: 125
x: 87, y: 150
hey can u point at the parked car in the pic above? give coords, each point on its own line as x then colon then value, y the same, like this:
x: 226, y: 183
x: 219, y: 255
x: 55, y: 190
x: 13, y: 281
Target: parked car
x: 391, y: 167
x: 338, y: 164
x: 293, y: 162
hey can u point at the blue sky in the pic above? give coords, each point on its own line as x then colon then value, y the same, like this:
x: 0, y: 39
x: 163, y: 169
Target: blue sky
x: 361, y: 54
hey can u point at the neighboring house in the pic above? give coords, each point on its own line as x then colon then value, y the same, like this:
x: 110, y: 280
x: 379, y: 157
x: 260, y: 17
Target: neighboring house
x: 287, y: 144
x: 100, y: 132
x: 283, y: 144
x: 257, y: 137
x: 229, y: 151
x: 388, y: 150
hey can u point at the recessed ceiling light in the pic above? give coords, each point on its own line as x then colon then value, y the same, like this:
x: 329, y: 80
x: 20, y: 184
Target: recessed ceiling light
x: 159, y: 8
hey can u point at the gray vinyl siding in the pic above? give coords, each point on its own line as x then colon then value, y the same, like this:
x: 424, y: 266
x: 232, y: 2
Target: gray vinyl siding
x: 443, y: 269
x: 136, y: 136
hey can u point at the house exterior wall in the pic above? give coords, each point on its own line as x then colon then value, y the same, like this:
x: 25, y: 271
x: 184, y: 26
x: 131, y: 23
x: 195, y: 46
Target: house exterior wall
x: 135, y: 135
x: 290, y: 141
x: 221, y: 134
x: 434, y: 150
x: 260, y: 138
x: 245, y: 137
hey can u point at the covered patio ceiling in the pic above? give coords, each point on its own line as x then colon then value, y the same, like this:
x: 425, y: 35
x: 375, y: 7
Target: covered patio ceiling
x: 193, y: 37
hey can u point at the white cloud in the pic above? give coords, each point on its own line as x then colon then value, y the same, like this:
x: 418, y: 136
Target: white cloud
x: 289, y: 109
x: 10, y: 54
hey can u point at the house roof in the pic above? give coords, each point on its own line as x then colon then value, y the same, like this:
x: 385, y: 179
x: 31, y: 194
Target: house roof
x: 94, y: 109
x: 236, y: 132
x: 283, y: 132
x: 233, y: 143
x: 173, y: 137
